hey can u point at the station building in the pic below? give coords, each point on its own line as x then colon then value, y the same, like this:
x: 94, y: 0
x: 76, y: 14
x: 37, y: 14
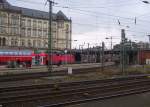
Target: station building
x: 23, y: 28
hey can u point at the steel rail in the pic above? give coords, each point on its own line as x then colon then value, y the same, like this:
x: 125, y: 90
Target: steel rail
x: 39, y: 86
x: 66, y: 87
x: 108, y: 96
x: 72, y: 92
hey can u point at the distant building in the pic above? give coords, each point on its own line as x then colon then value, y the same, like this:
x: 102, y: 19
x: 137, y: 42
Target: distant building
x: 143, y: 45
x: 25, y: 28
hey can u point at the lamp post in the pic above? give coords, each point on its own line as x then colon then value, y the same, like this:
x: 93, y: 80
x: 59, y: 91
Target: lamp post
x: 110, y: 40
x: 80, y: 50
x: 71, y: 45
x: 111, y: 44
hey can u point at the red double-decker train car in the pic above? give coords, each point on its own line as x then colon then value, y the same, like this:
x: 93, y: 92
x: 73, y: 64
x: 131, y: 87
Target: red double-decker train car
x: 30, y: 58
x: 55, y: 57
x: 7, y: 56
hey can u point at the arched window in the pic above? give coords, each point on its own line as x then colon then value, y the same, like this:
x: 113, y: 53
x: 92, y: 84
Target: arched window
x: 4, y: 42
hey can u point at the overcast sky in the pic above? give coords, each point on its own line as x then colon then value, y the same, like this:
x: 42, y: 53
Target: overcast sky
x: 94, y: 20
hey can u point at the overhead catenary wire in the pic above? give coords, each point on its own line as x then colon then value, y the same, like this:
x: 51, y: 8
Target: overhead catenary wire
x: 65, y: 7
x: 87, y: 11
x: 95, y: 13
x: 122, y: 23
x: 41, y: 3
x: 91, y: 25
x: 100, y: 3
x: 33, y: 2
x: 108, y: 15
x: 118, y: 5
x: 92, y: 12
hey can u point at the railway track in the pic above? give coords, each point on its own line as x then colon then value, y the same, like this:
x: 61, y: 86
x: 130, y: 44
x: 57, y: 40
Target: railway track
x: 57, y: 72
x: 24, y: 76
x: 104, y: 96
x: 74, y: 92
x: 39, y: 86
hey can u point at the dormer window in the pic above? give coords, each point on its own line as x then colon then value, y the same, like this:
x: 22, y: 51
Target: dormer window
x: 60, y: 24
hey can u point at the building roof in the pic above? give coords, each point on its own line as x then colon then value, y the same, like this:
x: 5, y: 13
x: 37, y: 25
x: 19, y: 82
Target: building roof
x: 4, y: 2
x: 32, y: 12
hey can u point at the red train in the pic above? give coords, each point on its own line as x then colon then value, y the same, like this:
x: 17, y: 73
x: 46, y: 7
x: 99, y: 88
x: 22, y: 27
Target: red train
x: 42, y: 58
x: 31, y: 58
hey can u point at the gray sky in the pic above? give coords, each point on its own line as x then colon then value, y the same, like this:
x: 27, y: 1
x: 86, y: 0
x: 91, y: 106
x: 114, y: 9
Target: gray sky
x: 94, y: 20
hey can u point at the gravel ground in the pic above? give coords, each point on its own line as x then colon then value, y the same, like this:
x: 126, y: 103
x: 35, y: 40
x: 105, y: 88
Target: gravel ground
x: 139, y: 100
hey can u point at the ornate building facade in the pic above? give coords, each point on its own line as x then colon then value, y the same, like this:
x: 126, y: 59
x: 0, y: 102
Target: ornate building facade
x: 25, y: 28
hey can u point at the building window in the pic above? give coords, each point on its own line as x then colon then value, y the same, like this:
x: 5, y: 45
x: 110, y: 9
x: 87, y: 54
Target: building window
x: 39, y: 24
x: 39, y: 43
x: 54, y: 27
x: 45, y: 44
x: 28, y: 23
x: 34, y: 23
x: 3, y: 41
x: 34, y: 32
x: 29, y: 32
x: 67, y: 27
x: 39, y: 33
x: 14, y: 42
x: 22, y: 42
x: 29, y: 43
x: 3, y: 18
x: 54, y: 35
x: 34, y: 43
x: 60, y: 24
x: 54, y: 24
x: 45, y: 34
x: 3, y: 30
x: 67, y: 36
x: 14, y: 19
x: 45, y: 26
x: 23, y: 23
x: 0, y: 42
x: 23, y: 33
x: 14, y: 31
x: 54, y: 43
